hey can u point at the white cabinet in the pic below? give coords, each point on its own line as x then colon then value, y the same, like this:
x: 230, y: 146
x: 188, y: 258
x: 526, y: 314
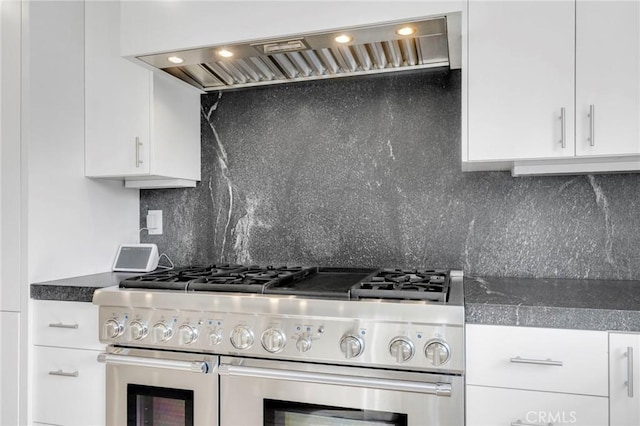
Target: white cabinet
x: 537, y: 71
x: 608, y: 77
x: 68, y: 382
x: 10, y: 366
x: 536, y: 376
x: 155, y: 26
x: 521, y: 71
x: 140, y: 127
x: 624, y: 376
x: 11, y: 161
x: 495, y: 406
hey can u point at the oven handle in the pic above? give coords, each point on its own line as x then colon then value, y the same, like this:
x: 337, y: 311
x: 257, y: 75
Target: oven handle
x: 439, y: 389
x: 192, y: 366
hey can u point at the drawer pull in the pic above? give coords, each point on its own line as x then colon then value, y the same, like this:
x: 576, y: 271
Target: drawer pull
x: 519, y: 423
x: 63, y: 373
x: 61, y: 325
x: 629, y: 382
x: 547, y: 361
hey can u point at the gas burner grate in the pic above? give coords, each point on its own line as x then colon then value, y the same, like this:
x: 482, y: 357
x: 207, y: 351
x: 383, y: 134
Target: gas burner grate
x: 428, y: 285
x: 251, y: 280
x: 177, y: 279
x: 221, y: 278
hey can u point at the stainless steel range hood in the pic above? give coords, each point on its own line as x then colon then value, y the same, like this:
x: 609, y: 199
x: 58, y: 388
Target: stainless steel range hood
x: 400, y: 46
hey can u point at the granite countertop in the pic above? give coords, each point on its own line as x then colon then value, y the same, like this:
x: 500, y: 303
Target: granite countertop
x: 76, y: 289
x: 556, y: 303
x: 533, y: 302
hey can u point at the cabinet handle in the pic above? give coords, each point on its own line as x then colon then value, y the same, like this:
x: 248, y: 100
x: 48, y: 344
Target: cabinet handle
x: 518, y: 360
x: 138, y: 145
x: 592, y: 125
x: 629, y: 382
x: 61, y: 325
x: 519, y: 423
x: 563, y: 128
x: 63, y: 373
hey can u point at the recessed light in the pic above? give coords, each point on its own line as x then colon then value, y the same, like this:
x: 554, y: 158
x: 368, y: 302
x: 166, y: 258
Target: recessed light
x: 343, y: 38
x: 405, y: 31
x: 225, y: 53
x: 175, y: 59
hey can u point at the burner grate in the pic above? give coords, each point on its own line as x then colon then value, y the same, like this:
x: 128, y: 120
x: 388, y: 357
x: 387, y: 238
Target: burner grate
x: 429, y: 285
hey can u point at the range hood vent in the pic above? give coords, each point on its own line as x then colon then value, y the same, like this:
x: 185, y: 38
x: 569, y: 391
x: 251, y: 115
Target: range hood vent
x: 428, y: 43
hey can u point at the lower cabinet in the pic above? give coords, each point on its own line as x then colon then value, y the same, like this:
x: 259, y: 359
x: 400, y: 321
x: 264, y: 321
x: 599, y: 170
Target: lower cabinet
x: 68, y: 381
x: 624, y: 379
x: 66, y: 391
x: 536, y: 376
x: 10, y: 365
x: 487, y: 406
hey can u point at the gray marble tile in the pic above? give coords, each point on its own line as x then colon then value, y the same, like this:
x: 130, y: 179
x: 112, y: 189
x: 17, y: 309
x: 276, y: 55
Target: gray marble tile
x: 588, y: 304
x: 366, y: 172
x: 76, y: 289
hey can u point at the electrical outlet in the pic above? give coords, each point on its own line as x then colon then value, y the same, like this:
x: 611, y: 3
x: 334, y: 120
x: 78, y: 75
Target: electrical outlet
x: 154, y: 222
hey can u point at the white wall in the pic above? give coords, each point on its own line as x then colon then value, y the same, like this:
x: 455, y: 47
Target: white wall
x: 75, y: 223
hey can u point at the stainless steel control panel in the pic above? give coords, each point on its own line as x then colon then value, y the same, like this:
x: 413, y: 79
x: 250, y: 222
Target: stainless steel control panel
x: 403, y: 345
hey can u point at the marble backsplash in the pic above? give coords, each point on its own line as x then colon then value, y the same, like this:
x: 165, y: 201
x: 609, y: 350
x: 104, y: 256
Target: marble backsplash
x: 366, y: 172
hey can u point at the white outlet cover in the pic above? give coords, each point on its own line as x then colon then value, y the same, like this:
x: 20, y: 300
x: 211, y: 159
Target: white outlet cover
x: 154, y: 222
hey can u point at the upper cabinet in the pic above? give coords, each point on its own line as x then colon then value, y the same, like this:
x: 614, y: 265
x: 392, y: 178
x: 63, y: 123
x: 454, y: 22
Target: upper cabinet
x: 160, y: 26
x: 553, y: 87
x: 607, y: 77
x: 141, y: 127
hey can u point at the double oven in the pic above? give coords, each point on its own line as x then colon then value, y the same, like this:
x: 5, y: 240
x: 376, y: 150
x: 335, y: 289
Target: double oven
x: 223, y: 358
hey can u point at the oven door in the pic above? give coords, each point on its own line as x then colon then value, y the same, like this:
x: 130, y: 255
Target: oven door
x: 146, y: 387
x: 260, y: 392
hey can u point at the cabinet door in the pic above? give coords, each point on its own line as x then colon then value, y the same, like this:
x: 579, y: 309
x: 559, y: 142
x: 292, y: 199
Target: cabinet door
x: 69, y: 387
x: 544, y: 359
x: 520, y: 78
x: 624, y: 365
x: 117, y: 99
x: 496, y: 406
x: 9, y: 368
x: 65, y: 324
x: 608, y: 77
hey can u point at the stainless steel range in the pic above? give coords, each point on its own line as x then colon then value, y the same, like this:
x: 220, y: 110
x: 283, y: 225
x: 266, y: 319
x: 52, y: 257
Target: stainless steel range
x: 244, y: 345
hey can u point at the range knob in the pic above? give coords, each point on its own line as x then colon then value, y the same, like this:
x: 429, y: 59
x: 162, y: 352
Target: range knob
x: 112, y: 329
x: 215, y: 337
x: 402, y: 349
x: 303, y: 344
x: 273, y: 340
x: 241, y: 337
x: 351, y: 346
x: 138, y: 330
x: 187, y: 334
x: 161, y: 332
x: 437, y: 352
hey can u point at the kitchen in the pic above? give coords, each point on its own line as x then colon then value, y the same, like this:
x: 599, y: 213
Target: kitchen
x: 379, y: 198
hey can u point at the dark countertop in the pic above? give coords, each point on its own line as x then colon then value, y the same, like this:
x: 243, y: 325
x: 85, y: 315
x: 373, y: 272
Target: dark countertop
x: 533, y: 302
x: 555, y: 303
x: 76, y: 289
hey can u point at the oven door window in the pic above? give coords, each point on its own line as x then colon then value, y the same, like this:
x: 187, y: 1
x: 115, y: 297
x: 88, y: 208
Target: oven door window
x: 287, y: 413
x: 154, y: 406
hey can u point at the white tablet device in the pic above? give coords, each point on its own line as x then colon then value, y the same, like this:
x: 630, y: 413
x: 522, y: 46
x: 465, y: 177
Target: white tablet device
x: 136, y: 258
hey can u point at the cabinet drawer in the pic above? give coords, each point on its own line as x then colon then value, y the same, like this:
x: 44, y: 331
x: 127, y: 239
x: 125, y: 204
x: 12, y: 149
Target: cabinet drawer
x: 494, y: 406
x: 570, y: 361
x: 68, y: 400
x: 66, y: 324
